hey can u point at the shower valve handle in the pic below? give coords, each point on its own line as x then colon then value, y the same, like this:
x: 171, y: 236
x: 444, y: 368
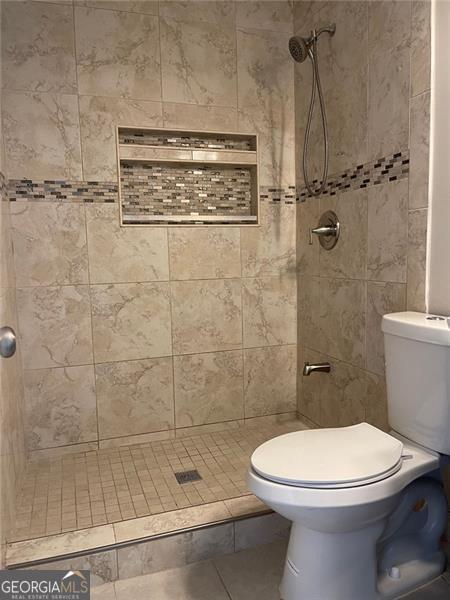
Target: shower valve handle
x: 327, y: 230
x: 323, y: 230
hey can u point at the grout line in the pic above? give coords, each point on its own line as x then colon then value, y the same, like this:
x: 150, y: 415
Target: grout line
x: 160, y: 357
x: 171, y: 330
x: 213, y: 561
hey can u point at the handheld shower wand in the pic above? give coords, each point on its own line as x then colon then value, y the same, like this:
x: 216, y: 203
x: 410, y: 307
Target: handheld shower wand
x: 300, y: 48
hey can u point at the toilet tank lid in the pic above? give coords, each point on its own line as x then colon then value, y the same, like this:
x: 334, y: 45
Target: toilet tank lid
x: 422, y: 327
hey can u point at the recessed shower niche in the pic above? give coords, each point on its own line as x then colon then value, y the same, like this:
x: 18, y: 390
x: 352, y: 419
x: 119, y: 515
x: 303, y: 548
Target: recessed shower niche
x: 179, y: 177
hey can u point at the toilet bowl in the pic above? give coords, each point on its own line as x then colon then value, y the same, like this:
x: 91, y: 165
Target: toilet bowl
x: 367, y: 507
x: 339, y: 518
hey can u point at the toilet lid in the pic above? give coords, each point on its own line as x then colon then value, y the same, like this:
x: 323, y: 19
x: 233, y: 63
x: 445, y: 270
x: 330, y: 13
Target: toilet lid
x: 341, y: 457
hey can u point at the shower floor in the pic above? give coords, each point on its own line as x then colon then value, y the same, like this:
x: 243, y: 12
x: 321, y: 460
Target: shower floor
x: 89, y: 489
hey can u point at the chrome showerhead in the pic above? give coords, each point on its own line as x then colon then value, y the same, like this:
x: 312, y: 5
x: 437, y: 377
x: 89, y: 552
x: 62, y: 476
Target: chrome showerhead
x: 298, y: 47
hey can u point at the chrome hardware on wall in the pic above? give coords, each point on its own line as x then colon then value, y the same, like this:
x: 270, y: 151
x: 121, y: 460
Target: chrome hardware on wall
x: 7, y: 342
x: 328, y: 230
x: 309, y: 368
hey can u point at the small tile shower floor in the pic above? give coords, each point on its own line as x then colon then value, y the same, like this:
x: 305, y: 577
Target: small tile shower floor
x: 94, y: 488
x: 248, y: 575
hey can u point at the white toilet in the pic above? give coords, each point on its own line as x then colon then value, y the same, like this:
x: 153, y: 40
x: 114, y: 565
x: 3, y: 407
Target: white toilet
x: 368, y: 508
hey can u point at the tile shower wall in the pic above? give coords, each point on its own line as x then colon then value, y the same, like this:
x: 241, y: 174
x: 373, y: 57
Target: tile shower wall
x: 12, y: 443
x: 376, y: 77
x: 135, y: 332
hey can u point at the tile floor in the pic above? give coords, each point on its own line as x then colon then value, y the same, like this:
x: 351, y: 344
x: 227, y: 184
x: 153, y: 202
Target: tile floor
x: 248, y: 575
x: 95, y: 488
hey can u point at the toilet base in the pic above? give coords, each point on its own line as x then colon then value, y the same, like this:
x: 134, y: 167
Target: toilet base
x: 343, y: 566
x: 335, y: 566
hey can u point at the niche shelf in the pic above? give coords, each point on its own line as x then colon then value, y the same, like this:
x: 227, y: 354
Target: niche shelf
x: 180, y: 177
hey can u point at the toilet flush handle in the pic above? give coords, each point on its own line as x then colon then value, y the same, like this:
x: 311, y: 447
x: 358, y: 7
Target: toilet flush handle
x: 309, y: 368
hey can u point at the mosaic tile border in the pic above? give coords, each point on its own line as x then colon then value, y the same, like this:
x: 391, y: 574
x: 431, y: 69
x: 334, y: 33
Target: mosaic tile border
x: 382, y: 170
x: 52, y: 190
x: 3, y: 188
x: 27, y: 190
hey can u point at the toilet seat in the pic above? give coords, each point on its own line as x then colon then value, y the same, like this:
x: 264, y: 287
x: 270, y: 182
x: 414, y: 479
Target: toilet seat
x: 329, y: 458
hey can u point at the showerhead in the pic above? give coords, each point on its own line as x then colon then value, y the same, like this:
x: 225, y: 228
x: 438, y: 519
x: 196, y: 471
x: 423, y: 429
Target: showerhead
x: 298, y: 47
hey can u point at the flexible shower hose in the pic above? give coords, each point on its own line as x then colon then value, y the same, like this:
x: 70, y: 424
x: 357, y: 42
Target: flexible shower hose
x: 316, y: 83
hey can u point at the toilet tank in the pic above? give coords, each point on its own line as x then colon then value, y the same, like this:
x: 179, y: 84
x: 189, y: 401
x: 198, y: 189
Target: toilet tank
x: 417, y: 354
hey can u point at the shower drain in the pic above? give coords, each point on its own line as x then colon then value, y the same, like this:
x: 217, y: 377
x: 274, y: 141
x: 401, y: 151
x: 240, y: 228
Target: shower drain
x: 188, y: 476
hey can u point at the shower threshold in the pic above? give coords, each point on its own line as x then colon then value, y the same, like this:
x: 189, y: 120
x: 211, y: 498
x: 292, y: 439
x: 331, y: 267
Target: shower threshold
x: 98, y: 500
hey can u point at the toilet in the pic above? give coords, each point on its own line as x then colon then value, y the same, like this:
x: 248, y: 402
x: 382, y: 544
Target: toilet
x: 367, y: 507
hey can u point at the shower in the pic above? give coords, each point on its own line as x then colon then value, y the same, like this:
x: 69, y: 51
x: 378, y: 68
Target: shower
x: 300, y: 48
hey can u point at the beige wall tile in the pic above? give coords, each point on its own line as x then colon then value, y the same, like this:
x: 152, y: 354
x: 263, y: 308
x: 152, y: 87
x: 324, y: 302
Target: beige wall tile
x: 266, y: 14
x: 349, y: 257
x: 131, y: 321
x: 382, y: 298
x: 192, y: 116
x: 206, y: 315
x: 269, y: 311
x: 417, y: 246
x: 220, y: 12
x: 60, y: 407
x: 309, y: 325
x: 99, y: 117
x: 102, y: 567
x: 342, y: 319
x: 59, y: 451
x: 419, y: 133
x: 289, y: 418
x: 117, y: 54
x: 270, y: 248
x: 266, y: 102
x: 376, y: 402
x: 389, y: 76
x: 186, y: 76
x: 270, y: 380
x: 310, y: 387
x: 143, y: 438
x: 12, y: 447
x: 49, y: 243
x: 53, y: 546
x: 38, y: 51
x: 41, y: 136
x: 205, y: 253
x: 55, y: 326
x: 308, y: 214
x: 175, y: 551
x: 387, y: 238
x: 420, y: 46
x: 171, y: 522
x: 342, y: 394
x: 149, y: 7
x: 134, y: 397
x: 182, y: 432
x: 343, y: 72
x: 260, y: 530
x: 124, y: 254
x: 303, y: 11
x: 276, y: 145
x: 208, y: 388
